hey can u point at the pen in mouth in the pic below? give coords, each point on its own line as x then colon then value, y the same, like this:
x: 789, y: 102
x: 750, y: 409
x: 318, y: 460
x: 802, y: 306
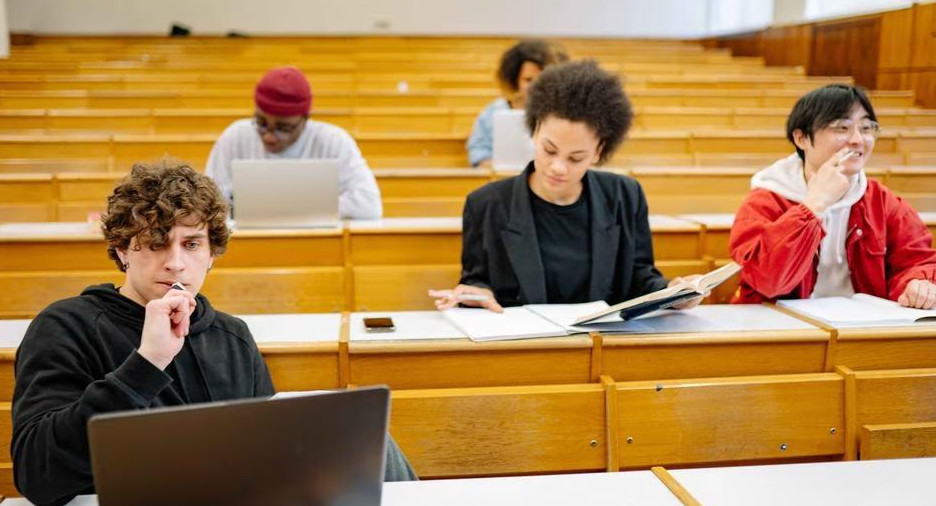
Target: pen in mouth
x: 177, y: 286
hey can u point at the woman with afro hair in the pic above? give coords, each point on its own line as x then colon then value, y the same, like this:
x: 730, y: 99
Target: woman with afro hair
x: 560, y: 232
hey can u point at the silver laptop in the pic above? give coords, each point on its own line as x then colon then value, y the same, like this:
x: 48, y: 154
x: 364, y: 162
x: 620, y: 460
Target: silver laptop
x: 326, y: 449
x: 285, y: 193
x: 513, y: 146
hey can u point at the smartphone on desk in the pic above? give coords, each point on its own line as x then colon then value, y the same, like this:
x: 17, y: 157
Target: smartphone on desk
x: 379, y: 325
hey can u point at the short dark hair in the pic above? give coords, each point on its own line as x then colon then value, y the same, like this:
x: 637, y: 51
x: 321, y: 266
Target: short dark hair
x: 580, y: 91
x: 816, y: 109
x: 540, y: 52
x: 153, y: 198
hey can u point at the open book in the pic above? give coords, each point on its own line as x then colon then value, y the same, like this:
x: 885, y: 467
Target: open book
x: 665, y: 298
x: 859, y: 310
x: 534, y: 320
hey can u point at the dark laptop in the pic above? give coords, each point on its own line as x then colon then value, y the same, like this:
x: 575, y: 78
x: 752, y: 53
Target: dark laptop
x: 322, y: 449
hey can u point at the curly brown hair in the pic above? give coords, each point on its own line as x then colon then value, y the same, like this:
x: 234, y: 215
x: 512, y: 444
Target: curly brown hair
x: 153, y: 198
x: 582, y: 92
x: 541, y: 52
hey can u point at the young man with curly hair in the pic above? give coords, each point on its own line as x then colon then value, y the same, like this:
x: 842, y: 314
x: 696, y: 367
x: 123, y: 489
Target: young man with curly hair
x: 561, y: 233
x: 142, y: 344
x: 519, y: 67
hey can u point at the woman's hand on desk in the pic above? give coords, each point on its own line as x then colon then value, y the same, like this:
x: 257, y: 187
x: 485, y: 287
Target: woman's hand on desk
x: 919, y: 293
x: 691, y: 303
x: 468, y: 295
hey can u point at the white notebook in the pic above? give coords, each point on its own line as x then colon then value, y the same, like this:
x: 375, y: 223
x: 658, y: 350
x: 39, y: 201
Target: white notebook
x: 534, y: 320
x: 859, y: 310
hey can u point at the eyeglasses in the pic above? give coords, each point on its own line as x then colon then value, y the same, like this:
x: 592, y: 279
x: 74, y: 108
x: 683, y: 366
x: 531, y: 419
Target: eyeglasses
x: 842, y: 129
x: 281, y: 132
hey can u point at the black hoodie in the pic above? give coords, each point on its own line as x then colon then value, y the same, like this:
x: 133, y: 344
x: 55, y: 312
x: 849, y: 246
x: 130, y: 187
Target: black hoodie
x: 79, y: 358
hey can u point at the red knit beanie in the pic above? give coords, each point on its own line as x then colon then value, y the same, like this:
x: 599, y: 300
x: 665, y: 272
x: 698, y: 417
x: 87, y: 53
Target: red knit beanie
x: 284, y: 91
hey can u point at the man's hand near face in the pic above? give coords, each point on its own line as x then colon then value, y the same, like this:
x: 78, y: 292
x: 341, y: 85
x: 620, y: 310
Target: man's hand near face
x: 165, y: 327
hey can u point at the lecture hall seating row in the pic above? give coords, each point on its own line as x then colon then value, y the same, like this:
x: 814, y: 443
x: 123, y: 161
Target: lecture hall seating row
x: 428, y: 120
x: 476, y: 98
x: 416, y: 150
x: 610, y: 426
x: 67, y: 196
x: 383, y: 265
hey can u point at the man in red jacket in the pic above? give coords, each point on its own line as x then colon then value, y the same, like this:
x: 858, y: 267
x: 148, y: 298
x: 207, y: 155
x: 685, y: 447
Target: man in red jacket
x: 815, y: 226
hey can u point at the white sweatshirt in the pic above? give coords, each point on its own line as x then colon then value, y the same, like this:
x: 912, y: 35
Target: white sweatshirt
x: 787, y: 178
x: 359, y: 195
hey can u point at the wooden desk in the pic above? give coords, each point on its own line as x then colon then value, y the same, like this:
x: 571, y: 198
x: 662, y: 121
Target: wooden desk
x: 395, y: 261
x: 716, y: 232
x: 674, y: 190
x: 862, y: 348
x: 715, y: 341
x: 301, y: 350
x: 374, y: 265
x: 677, y: 246
x: 906, y: 482
x: 625, y: 489
x: 892, y: 347
x: 426, y: 351
x: 427, y: 192
x: 720, y: 420
x: 304, y: 270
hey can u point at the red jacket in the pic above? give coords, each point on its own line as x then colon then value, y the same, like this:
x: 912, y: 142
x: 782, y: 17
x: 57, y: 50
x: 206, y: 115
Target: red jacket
x: 776, y: 242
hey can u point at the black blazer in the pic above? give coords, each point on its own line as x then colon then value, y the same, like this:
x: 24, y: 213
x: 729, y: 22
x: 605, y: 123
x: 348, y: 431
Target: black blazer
x: 500, y: 250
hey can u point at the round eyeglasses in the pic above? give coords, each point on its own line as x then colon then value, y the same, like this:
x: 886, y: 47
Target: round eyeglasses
x: 842, y: 129
x: 281, y: 132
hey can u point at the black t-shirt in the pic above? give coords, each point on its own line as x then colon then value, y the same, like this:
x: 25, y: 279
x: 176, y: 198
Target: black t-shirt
x: 565, y: 247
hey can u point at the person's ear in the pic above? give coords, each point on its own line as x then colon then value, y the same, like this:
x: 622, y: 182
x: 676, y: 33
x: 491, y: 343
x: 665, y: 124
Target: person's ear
x: 800, y: 139
x: 598, y: 152
x: 122, y: 256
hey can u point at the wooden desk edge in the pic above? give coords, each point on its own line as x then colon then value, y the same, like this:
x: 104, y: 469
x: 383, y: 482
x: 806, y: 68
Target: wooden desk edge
x: 287, y: 347
x: 703, y: 338
x: 465, y: 344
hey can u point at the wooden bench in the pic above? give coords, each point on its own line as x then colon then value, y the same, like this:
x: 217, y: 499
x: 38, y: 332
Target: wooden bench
x: 502, y: 430
x: 887, y: 397
x: 744, y: 419
x: 898, y: 441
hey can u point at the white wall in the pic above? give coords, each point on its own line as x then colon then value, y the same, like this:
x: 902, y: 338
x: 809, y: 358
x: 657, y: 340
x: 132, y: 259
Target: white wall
x: 600, y: 18
x: 820, y: 9
x: 788, y: 12
x: 4, y: 32
x: 733, y: 16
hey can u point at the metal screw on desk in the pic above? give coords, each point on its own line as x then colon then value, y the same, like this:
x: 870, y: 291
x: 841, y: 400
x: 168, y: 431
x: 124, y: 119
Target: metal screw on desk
x: 783, y: 447
x: 593, y: 443
x: 630, y: 440
x: 832, y: 430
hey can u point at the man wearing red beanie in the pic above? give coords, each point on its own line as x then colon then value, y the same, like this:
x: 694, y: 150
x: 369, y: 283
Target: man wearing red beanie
x: 281, y: 129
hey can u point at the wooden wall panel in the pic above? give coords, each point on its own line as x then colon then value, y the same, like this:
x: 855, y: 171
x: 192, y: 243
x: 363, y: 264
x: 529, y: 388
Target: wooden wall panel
x: 923, y: 52
x: 896, y: 39
x: 893, y: 50
x: 788, y: 45
x: 742, y: 44
x: 847, y: 48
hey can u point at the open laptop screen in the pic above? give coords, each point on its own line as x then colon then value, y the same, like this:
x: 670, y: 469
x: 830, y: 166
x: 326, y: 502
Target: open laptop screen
x: 326, y: 449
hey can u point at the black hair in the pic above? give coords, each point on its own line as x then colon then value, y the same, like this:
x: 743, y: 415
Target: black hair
x: 816, y: 109
x: 582, y: 92
x: 540, y: 52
